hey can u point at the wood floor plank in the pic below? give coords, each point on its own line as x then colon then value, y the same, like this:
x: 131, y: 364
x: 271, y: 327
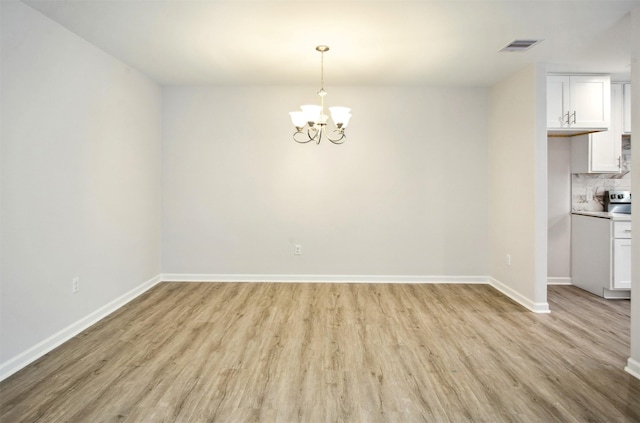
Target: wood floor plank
x: 264, y: 352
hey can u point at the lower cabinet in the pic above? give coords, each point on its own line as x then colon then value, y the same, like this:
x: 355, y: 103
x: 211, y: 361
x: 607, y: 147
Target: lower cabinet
x: 621, y: 255
x: 601, y: 256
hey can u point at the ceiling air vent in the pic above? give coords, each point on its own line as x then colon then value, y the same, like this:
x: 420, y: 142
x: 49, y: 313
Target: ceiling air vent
x: 520, y: 45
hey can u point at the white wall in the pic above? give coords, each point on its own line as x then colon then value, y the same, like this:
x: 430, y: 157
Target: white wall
x: 633, y: 365
x: 518, y: 186
x: 80, y: 179
x: 559, y: 210
x: 405, y: 195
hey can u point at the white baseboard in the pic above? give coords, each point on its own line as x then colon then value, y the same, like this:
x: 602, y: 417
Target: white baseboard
x: 519, y: 298
x: 633, y: 368
x: 23, y: 359
x: 559, y: 281
x: 184, y: 277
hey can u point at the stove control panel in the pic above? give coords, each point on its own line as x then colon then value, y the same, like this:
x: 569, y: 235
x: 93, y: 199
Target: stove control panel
x: 618, y: 196
x: 617, y: 202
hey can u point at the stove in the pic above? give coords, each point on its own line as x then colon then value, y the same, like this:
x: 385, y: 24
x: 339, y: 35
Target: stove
x: 617, y: 202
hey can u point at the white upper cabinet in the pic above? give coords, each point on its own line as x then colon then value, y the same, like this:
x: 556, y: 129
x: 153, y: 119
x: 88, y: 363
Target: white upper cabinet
x: 626, y: 126
x: 601, y: 152
x: 598, y: 152
x: 578, y: 104
x: 606, y: 152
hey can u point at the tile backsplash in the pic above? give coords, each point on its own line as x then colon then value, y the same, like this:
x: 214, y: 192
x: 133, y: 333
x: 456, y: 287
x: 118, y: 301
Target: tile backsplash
x: 587, y: 189
x: 626, y: 154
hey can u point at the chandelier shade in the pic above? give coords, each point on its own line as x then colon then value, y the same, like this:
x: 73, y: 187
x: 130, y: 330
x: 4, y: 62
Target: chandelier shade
x: 299, y: 119
x: 340, y: 115
x: 312, y: 117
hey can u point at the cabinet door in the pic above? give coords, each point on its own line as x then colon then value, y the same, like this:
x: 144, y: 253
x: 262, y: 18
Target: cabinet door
x: 605, y: 152
x: 557, y: 101
x: 606, y: 147
x: 627, y: 109
x: 590, y: 101
x: 622, y: 264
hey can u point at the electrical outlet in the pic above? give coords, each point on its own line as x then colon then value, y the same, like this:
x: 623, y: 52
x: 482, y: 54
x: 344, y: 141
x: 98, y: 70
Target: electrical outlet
x: 75, y: 285
x: 508, y: 259
x: 297, y: 250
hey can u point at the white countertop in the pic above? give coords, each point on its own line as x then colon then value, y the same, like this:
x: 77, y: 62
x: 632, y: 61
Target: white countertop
x: 605, y: 215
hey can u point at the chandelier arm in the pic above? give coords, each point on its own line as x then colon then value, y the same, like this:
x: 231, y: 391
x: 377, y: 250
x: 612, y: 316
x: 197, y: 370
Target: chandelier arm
x: 301, y: 141
x: 318, y: 135
x: 341, y: 140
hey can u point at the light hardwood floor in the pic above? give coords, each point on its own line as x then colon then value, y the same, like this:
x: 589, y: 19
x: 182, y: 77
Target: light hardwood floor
x: 234, y: 352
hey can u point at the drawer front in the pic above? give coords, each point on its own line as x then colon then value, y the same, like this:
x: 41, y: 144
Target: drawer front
x: 622, y: 229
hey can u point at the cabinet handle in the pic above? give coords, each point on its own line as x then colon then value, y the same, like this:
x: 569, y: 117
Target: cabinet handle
x: 574, y: 117
x: 619, y: 162
x: 628, y: 230
x: 567, y: 122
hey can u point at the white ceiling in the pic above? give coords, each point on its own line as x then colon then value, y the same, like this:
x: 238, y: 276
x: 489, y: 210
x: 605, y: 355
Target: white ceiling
x: 390, y: 42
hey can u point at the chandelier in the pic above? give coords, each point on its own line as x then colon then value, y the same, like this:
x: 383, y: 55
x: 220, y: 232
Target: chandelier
x: 312, y: 116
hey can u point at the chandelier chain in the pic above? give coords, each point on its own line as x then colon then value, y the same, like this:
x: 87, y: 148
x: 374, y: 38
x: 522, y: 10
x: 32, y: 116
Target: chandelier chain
x: 322, y: 71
